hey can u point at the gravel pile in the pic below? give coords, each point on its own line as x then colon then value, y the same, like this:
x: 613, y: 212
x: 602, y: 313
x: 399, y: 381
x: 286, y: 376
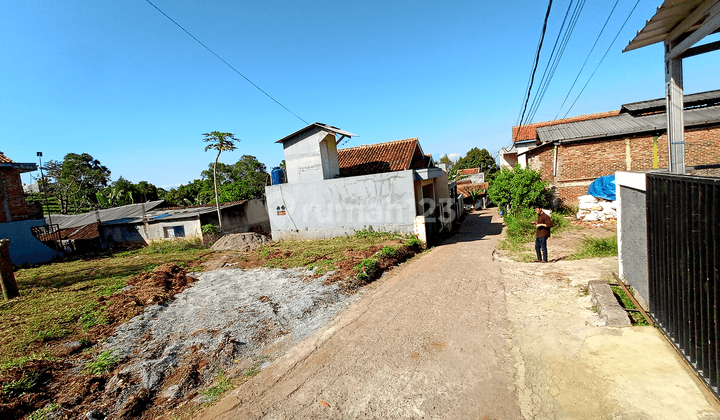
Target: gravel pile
x: 172, y: 350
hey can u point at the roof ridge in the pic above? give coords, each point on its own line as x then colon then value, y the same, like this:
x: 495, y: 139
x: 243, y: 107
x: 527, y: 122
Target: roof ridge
x: 379, y: 144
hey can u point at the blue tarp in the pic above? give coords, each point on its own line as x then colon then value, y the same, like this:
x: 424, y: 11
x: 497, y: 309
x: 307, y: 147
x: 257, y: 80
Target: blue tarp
x: 603, y: 187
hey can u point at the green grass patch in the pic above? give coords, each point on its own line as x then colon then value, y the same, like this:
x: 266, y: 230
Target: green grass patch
x: 61, y: 299
x: 222, y: 385
x: 18, y: 387
x: 322, y: 254
x: 597, y: 247
x: 625, y: 302
x: 102, y: 363
x: 42, y: 414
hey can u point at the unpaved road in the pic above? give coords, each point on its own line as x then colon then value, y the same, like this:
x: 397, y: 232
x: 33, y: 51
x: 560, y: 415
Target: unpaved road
x: 457, y: 334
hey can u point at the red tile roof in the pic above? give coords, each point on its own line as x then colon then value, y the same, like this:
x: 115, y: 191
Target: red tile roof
x: 529, y: 132
x: 5, y: 159
x: 463, y: 188
x: 378, y: 158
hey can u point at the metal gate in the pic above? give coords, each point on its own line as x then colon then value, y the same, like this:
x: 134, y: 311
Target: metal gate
x: 683, y: 223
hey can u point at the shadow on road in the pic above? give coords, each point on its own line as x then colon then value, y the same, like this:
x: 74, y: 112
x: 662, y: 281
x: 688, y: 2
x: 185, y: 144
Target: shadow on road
x: 476, y: 226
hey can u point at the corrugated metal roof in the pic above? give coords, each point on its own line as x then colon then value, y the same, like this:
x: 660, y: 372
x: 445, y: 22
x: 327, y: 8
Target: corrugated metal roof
x: 689, y: 101
x: 623, y: 124
x: 173, y: 214
x: 76, y: 220
x: 320, y: 126
x: 668, y: 16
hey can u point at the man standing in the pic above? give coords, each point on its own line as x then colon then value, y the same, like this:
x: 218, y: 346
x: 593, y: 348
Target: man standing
x: 543, y: 225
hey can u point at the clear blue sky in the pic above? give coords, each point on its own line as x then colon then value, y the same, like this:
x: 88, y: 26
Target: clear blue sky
x: 121, y: 82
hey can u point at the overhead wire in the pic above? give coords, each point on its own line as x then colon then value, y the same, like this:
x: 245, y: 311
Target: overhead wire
x: 552, y: 67
x: 587, y: 58
x: 535, y: 65
x: 226, y: 63
x: 603, y: 58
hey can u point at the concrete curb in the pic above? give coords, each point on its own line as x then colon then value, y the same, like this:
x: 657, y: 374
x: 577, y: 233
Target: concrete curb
x: 608, y: 307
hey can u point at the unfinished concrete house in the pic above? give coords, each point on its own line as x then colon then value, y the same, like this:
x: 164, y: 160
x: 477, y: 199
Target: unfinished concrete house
x: 391, y: 186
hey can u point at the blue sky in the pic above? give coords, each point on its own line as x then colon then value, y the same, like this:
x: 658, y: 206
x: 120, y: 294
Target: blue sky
x: 121, y: 82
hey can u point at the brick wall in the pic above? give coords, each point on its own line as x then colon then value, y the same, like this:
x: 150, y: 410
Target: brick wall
x: 579, y: 163
x: 12, y: 202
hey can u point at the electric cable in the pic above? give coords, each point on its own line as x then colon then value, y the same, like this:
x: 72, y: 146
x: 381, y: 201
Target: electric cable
x: 226, y: 63
x: 603, y: 58
x: 537, y: 59
x: 587, y: 58
x: 556, y: 60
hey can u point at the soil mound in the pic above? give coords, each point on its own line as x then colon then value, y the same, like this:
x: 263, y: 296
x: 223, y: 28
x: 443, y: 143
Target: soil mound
x: 240, y: 242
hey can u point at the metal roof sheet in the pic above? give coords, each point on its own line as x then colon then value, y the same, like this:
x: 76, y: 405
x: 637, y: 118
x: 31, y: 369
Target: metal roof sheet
x: 129, y: 211
x: 318, y: 125
x: 691, y: 100
x: 623, y: 124
x: 668, y: 16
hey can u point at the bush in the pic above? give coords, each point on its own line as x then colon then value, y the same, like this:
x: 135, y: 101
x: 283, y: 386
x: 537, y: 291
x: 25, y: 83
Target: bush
x: 366, y: 269
x: 519, y: 189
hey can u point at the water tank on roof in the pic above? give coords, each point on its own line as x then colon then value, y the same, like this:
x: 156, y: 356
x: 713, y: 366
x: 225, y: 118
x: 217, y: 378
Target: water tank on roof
x: 277, y: 175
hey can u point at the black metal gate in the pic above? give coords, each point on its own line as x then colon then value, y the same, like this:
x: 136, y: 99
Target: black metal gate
x: 683, y: 222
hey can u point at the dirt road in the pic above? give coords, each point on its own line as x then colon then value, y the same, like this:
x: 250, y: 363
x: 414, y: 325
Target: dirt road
x: 457, y: 334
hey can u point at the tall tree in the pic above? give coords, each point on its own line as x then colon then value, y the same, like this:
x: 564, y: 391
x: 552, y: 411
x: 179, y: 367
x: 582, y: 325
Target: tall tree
x: 477, y: 158
x: 76, y: 180
x: 222, y: 142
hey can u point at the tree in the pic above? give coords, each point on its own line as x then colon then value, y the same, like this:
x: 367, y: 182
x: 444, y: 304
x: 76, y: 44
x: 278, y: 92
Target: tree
x: 518, y: 188
x: 146, y: 191
x: 76, y: 180
x: 222, y: 142
x: 477, y: 158
x: 446, y: 160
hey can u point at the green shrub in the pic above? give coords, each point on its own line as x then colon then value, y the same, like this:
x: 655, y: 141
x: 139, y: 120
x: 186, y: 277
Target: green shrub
x: 387, y: 252
x: 519, y: 189
x: 209, y: 228
x: 366, y: 269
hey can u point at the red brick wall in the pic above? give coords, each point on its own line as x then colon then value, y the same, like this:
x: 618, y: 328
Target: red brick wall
x: 12, y: 200
x: 580, y: 163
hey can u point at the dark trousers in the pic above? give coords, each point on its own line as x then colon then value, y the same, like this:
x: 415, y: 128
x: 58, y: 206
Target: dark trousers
x: 541, y: 246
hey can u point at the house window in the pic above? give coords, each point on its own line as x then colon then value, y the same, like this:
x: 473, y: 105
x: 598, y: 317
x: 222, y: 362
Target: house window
x: 174, y: 232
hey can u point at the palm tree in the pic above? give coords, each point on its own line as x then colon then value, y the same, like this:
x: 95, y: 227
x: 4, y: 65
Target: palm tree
x: 222, y: 142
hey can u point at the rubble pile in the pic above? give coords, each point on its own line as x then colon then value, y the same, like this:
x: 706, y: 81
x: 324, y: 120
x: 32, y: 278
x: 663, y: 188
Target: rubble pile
x: 592, y: 209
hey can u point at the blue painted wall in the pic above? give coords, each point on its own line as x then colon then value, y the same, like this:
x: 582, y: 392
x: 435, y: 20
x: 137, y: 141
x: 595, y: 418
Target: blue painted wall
x: 24, y: 247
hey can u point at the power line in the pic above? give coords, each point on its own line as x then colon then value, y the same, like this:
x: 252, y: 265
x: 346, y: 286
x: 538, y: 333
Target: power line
x: 226, y: 63
x: 553, y: 62
x: 537, y: 59
x: 603, y: 58
x: 587, y: 58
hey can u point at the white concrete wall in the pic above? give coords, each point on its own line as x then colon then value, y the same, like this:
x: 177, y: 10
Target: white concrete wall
x: 338, y: 207
x: 630, y: 189
x: 312, y: 157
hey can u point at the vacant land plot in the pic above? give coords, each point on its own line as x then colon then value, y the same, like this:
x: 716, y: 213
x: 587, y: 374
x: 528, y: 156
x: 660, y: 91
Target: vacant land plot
x: 67, y: 339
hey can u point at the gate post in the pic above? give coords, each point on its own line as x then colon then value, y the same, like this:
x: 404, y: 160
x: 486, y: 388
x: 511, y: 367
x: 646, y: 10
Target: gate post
x: 7, y: 277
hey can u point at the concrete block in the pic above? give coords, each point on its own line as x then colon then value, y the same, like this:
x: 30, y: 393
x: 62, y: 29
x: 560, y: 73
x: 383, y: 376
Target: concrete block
x: 607, y: 305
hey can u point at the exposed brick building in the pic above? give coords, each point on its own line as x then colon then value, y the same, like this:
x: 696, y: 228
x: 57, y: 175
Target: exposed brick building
x: 571, y: 153
x: 13, y: 206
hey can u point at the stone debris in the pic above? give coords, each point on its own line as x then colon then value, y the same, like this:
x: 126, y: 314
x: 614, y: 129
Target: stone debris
x: 592, y: 209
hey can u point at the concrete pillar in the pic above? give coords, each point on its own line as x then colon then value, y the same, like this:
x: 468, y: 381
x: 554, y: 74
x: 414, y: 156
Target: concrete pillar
x: 674, y: 106
x: 7, y: 277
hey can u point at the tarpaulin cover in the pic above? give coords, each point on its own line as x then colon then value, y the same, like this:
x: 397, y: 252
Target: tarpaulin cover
x: 603, y: 187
